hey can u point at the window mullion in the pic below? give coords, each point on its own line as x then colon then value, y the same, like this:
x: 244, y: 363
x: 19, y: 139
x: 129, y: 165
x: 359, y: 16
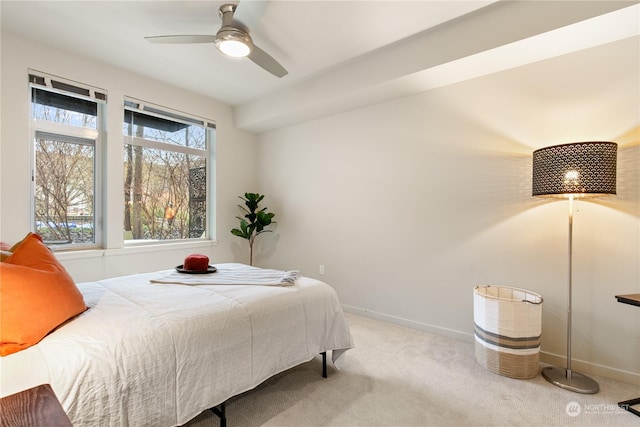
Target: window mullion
x: 64, y: 129
x: 148, y: 143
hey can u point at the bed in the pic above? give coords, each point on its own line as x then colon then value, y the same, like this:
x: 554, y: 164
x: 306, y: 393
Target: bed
x: 159, y: 354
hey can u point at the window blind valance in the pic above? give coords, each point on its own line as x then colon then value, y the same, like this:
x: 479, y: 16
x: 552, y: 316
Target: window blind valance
x: 159, y: 118
x: 53, y: 83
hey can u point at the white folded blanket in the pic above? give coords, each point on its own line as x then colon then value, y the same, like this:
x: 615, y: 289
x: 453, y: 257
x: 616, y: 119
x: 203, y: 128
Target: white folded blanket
x: 233, y: 274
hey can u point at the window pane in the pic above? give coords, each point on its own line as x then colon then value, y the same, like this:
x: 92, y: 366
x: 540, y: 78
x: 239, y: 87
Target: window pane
x: 164, y: 130
x: 64, y: 189
x: 165, y: 194
x: 165, y: 173
x: 59, y: 108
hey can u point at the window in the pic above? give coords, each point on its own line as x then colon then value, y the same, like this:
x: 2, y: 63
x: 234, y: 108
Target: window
x: 166, y: 167
x: 67, y: 131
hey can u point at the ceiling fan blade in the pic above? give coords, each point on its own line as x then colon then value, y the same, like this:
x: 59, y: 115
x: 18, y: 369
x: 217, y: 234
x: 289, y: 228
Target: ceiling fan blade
x: 248, y: 12
x: 184, y: 38
x: 266, y: 61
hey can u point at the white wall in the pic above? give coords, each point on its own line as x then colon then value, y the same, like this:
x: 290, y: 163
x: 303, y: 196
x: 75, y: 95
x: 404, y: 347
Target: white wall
x: 411, y: 203
x: 408, y: 204
x: 235, y: 153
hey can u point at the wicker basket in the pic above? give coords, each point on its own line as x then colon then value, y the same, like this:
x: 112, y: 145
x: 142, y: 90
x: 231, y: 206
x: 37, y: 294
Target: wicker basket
x: 508, y: 327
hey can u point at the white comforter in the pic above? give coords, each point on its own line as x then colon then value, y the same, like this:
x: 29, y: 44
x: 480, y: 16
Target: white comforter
x: 150, y: 354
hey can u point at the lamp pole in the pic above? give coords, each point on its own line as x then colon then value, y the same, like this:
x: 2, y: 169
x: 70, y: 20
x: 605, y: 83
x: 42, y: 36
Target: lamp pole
x: 570, y: 287
x: 566, y: 378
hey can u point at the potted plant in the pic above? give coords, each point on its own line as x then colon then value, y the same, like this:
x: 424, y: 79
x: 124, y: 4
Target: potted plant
x: 254, y: 221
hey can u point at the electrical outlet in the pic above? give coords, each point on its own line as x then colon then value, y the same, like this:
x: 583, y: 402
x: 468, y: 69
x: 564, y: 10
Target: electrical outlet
x: 321, y: 269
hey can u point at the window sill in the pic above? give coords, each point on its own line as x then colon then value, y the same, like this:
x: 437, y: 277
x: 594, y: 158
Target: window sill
x: 136, y: 248
x: 145, y: 246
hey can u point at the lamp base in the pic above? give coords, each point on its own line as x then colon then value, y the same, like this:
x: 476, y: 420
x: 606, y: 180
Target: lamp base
x: 570, y: 380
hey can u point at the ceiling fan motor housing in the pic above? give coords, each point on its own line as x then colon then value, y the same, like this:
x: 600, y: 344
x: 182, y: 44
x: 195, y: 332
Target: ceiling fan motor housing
x: 231, y: 40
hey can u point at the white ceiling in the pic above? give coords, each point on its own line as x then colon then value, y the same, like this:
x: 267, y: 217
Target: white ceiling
x: 339, y: 54
x: 306, y: 37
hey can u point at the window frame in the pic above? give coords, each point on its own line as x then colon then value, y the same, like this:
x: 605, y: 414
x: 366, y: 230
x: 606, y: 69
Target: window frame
x: 209, y: 126
x: 69, y: 133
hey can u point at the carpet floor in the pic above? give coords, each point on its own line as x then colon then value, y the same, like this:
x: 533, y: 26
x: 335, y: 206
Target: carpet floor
x: 397, y: 376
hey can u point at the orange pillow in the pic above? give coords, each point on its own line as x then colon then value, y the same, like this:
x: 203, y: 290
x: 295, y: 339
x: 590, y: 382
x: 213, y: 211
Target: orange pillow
x: 36, y: 295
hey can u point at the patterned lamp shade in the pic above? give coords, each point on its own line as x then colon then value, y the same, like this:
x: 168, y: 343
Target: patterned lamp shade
x: 584, y: 169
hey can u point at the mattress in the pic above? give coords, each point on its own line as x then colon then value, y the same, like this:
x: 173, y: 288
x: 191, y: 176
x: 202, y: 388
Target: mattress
x: 152, y: 354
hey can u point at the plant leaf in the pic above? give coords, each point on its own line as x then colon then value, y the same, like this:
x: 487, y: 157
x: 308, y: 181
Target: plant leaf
x: 255, y: 220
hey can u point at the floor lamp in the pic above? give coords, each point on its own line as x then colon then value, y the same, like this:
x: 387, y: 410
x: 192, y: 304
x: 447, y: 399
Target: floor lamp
x: 577, y: 170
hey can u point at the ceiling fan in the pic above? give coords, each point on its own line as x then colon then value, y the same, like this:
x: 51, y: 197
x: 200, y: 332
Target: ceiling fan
x: 233, y: 37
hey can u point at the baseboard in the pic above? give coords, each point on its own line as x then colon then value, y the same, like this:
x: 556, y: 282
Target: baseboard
x: 463, y: 336
x: 545, y: 357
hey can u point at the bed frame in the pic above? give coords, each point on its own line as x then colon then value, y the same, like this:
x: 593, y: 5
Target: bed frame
x: 220, y: 410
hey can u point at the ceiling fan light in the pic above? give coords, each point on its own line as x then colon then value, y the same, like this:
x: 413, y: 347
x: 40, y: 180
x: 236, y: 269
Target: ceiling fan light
x: 234, y: 48
x: 234, y: 43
